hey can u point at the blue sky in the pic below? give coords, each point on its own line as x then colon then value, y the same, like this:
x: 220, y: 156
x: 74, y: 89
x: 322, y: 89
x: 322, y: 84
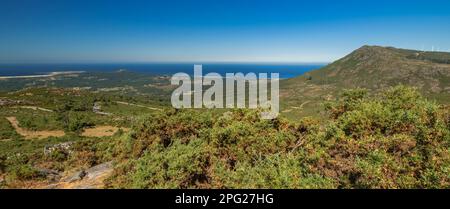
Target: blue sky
x: 62, y: 31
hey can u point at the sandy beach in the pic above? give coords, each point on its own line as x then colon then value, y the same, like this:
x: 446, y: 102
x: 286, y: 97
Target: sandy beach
x: 51, y: 74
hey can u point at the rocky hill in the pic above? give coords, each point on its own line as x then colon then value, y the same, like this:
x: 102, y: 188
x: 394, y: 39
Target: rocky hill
x: 374, y: 68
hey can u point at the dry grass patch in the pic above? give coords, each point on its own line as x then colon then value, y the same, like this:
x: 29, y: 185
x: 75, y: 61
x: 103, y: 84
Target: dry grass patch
x: 101, y: 131
x: 27, y: 134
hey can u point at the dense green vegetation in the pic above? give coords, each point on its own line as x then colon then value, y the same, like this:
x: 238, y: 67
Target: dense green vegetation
x: 70, y: 109
x: 389, y: 139
x: 23, y: 162
x: 126, y: 83
x: 38, y: 120
x: 6, y: 130
x: 325, y: 137
x: 395, y: 139
x: 22, y: 159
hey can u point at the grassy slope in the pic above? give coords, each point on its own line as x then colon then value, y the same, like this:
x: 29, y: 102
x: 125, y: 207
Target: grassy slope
x: 370, y: 67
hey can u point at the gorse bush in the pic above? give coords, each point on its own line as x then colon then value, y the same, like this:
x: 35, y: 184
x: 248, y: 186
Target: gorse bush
x: 396, y: 139
x: 190, y: 149
x: 74, y: 121
x: 23, y: 172
x: 18, y: 167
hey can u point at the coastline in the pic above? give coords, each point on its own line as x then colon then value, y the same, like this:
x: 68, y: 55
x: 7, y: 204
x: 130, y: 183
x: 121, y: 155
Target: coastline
x: 51, y: 74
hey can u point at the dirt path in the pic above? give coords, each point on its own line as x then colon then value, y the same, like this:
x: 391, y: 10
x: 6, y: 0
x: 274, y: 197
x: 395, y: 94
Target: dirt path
x: 301, y: 106
x: 295, y: 108
x: 27, y: 134
x: 136, y: 105
x: 52, y: 74
x: 34, y: 108
x: 101, y: 131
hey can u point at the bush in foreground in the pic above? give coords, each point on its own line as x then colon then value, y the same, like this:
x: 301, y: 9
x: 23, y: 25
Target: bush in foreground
x: 396, y: 139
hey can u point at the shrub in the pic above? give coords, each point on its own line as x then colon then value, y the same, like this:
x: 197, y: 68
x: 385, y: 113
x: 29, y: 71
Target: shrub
x: 77, y: 122
x: 23, y: 172
x: 190, y: 149
x: 395, y: 139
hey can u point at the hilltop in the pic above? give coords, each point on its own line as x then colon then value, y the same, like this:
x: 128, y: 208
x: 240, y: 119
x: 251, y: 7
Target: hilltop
x: 374, y: 68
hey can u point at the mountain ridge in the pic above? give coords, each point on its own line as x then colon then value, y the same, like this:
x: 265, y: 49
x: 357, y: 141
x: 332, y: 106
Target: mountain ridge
x: 374, y: 68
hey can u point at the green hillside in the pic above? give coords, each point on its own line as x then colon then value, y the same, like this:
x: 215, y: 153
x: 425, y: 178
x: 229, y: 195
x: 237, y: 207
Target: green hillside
x: 371, y: 67
x: 116, y: 130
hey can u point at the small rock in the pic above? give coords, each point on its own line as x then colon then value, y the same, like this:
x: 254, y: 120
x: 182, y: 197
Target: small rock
x: 46, y: 172
x: 51, y: 175
x: 53, y: 178
x: 65, y: 146
x: 52, y: 186
x: 98, y: 170
x: 77, y: 176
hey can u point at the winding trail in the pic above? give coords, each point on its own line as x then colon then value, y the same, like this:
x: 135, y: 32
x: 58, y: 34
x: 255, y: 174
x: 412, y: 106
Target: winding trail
x: 136, y: 105
x: 27, y: 134
x: 34, y: 108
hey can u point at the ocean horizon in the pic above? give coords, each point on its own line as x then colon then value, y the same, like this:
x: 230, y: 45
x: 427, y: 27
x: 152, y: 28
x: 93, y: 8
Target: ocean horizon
x: 285, y: 70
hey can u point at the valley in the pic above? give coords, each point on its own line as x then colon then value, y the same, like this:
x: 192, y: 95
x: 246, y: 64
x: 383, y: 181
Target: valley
x: 377, y: 118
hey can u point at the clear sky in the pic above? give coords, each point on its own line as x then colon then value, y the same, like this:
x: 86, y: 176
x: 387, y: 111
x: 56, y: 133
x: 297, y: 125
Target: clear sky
x: 59, y: 31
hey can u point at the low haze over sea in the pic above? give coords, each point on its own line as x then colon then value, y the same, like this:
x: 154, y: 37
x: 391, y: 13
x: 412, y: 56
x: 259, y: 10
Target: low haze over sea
x: 285, y: 70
